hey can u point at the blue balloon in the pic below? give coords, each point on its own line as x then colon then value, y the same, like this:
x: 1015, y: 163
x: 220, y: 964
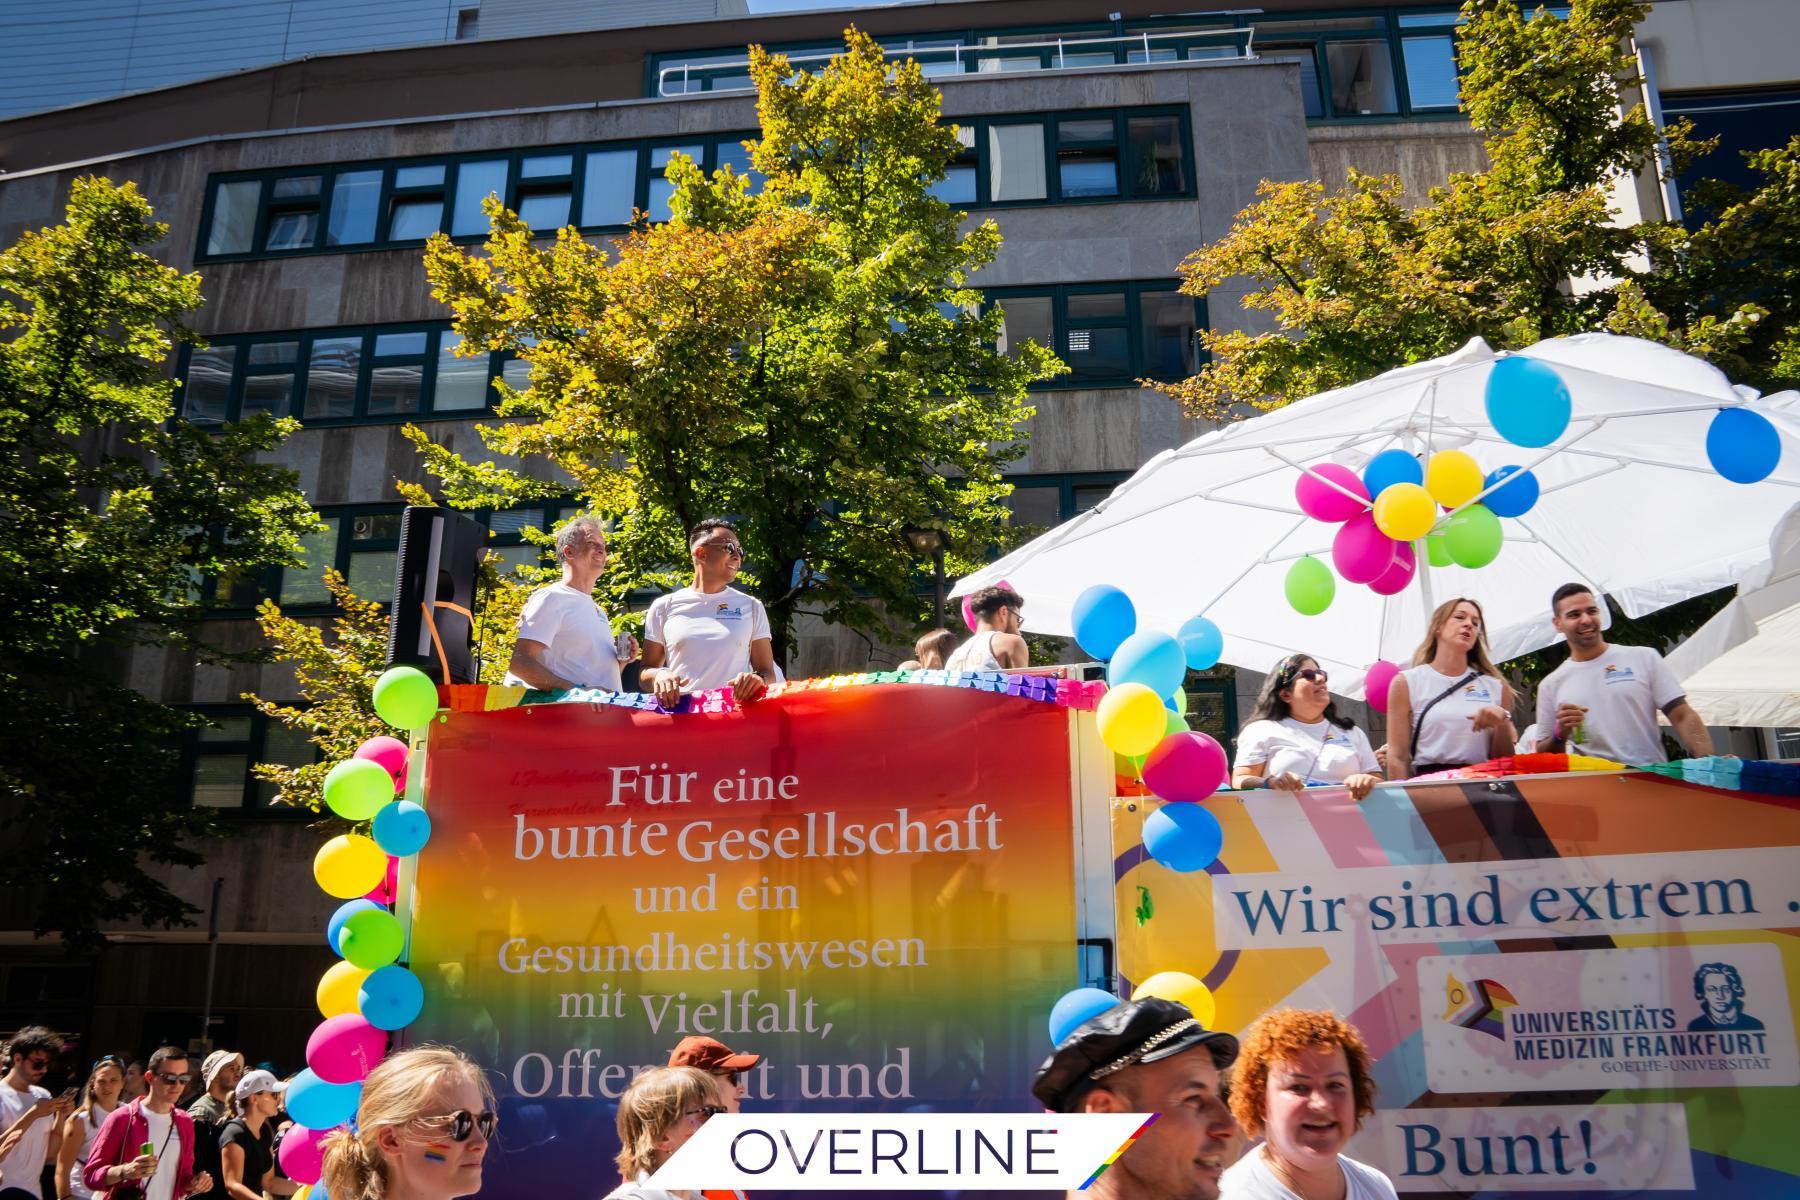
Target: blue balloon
x: 1202, y: 643
x: 1527, y: 401
x: 319, y: 1105
x: 1391, y: 467
x: 1103, y: 617
x: 401, y: 828
x: 1082, y: 1004
x: 391, y: 998
x: 1183, y: 837
x: 346, y: 910
x: 1150, y: 658
x: 1514, y: 498
x: 1742, y: 445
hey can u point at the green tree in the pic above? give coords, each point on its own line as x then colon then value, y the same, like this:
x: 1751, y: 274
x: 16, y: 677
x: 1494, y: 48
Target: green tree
x: 799, y: 350
x: 1359, y: 280
x: 117, y: 518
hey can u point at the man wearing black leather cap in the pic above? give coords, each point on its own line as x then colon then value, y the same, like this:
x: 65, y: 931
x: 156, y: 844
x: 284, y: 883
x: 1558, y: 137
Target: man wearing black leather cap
x: 1150, y: 1056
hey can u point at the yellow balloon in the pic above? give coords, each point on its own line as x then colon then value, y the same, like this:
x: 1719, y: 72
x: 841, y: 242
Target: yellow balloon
x: 1182, y: 988
x: 1453, y: 478
x: 350, y: 865
x: 1132, y: 720
x: 1405, y: 512
x: 303, y: 1192
x: 338, y: 988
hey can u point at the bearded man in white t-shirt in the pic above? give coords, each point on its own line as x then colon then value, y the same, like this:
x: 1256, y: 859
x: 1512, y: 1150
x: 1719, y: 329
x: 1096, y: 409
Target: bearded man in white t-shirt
x: 1603, y: 701
x: 565, y: 639
x: 709, y: 635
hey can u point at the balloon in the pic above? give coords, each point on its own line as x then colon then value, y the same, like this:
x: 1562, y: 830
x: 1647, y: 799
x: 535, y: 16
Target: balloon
x: 1080, y: 1005
x: 1186, y: 766
x: 406, y: 698
x: 1527, y: 401
x: 1742, y: 445
x: 1437, y: 550
x: 1393, y: 581
x: 391, y: 997
x: 1405, y: 512
x: 1182, y: 988
x: 1453, y: 478
x: 1515, y: 497
x: 1377, y: 681
x: 343, y: 913
x: 1361, y: 552
x: 1150, y: 658
x: 1322, y: 502
x: 1177, y: 701
x: 388, y: 890
x: 319, y: 1105
x: 1202, y: 642
x: 302, y: 1153
x: 338, y: 987
x: 388, y: 753
x: 345, y: 1048
x: 1473, y: 536
x: 402, y: 828
x: 968, y: 606
x: 1310, y: 586
x: 349, y: 865
x: 371, y: 939
x: 356, y: 789
x: 1103, y: 617
x: 1176, y: 724
x: 1391, y: 467
x: 1131, y: 719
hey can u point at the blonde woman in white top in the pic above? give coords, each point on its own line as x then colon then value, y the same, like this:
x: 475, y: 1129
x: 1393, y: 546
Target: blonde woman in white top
x: 1451, y: 708
x: 98, y: 1098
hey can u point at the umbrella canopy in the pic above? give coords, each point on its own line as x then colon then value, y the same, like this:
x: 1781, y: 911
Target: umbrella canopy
x: 1743, y: 666
x: 1630, y: 506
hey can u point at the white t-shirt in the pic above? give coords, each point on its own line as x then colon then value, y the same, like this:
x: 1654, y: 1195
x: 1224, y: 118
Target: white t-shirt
x: 707, y: 634
x: 976, y: 654
x: 1318, y: 753
x: 1622, y: 690
x: 26, y: 1163
x: 577, y: 638
x: 168, y: 1155
x: 1250, y: 1178
x: 1449, y: 735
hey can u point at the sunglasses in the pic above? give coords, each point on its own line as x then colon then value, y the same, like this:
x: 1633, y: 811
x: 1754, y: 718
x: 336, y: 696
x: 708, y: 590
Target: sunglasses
x: 734, y: 1078
x: 462, y: 1123
x: 706, y: 1112
x: 732, y: 549
x: 37, y: 1064
x: 165, y: 1077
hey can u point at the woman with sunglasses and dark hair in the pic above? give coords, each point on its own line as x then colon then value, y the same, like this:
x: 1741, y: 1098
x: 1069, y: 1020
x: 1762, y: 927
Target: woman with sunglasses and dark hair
x: 422, y: 1130
x: 1295, y: 737
x: 99, y: 1096
x: 659, y: 1112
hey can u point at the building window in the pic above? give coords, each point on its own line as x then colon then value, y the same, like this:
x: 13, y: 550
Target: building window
x: 293, y: 213
x: 1110, y: 335
x: 475, y: 182
x: 609, y: 187
x: 1087, y: 159
x: 355, y: 208
x: 362, y: 544
x: 1042, y: 501
x: 468, y: 24
x: 660, y: 188
x: 546, y: 186
x: 233, y: 225
x: 219, y: 757
x: 416, y: 210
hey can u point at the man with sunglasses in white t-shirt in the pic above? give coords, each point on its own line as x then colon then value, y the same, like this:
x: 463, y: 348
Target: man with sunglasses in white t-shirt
x: 709, y: 635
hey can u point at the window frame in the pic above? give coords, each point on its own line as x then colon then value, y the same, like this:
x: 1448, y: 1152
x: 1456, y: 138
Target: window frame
x: 253, y: 748
x: 1132, y: 322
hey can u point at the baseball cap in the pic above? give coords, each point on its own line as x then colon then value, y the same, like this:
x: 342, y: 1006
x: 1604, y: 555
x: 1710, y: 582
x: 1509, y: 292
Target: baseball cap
x: 1141, y: 1031
x: 255, y: 1082
x: 216, y: 1060
x: 710, y: 1054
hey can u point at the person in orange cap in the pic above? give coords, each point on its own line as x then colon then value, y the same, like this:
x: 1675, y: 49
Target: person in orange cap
x: 718, y: 1060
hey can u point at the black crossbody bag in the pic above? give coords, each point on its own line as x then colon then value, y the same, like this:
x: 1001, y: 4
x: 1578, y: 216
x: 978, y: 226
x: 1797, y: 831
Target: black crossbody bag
x: 1419, y: 723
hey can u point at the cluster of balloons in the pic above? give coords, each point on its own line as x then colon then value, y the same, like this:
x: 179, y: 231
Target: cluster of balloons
x: 367, y: 994
x: 1084, y: 1004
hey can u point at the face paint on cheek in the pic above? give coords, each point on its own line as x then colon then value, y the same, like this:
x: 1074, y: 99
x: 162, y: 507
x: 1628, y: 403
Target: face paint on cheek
x: 437, y: 1152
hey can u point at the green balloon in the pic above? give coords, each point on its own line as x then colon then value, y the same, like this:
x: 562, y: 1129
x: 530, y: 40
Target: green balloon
x: 1437, y: 551
x: 1310, y: 586
x: 356, y: 789
x: 1175, y: 724
x: 370, y: 939
x: 406, y: 698
x: 1473, y: 536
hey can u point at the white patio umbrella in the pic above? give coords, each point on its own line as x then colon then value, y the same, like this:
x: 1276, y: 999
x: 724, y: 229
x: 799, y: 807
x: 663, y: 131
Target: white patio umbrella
x: 1630, y: 506
x: 1743, y: 666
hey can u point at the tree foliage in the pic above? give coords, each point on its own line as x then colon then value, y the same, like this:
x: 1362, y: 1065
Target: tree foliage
x: 1358, y: 279
x: 799, y: 350
x: 116, y: 515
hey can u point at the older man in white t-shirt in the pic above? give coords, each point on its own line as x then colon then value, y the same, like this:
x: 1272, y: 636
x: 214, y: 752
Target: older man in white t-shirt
x: 709, y: 635
x: 565, y: 639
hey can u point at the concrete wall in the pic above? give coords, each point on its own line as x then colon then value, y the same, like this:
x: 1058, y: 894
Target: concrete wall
x: 1701, y: 44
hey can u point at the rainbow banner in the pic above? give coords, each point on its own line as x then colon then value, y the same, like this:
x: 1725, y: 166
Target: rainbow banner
x: 1574, y: 985
x: 873, y: 888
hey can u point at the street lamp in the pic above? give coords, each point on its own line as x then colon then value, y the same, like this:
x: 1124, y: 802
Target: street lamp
x: 933, y: 541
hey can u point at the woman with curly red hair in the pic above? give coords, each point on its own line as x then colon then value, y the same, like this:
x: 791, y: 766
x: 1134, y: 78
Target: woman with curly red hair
x: 1302, y: 1084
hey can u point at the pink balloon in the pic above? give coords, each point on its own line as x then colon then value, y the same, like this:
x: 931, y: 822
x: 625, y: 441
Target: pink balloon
x: 344, y: 1049
x: 1377, y: 681
x: 1360, y: 551
x: 302, y: 1152
x: 1393, y: 581
x: 1322, y: 502
x: 969, y: 613
x: 1185, y: 766
x: 389, y: 754
x: 388, y: 890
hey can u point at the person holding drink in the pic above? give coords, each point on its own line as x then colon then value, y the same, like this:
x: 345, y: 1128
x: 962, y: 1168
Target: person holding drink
x: 146, y: 1147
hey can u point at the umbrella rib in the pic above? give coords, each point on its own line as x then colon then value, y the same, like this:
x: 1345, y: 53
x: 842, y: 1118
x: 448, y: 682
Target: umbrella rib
x: 1263, y: 561
x: 1579, y: 573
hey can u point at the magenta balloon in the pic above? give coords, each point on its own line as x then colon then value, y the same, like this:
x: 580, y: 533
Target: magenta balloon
x: 1360, y: 551
x: 1377, y: 681
x: 1322, y: 502
x: 389, y: 754
x: 1185, y: 766
x: 302, y: 1153
x: 344, y: 1049
x: 1393, y: 581
x: 969, y: 612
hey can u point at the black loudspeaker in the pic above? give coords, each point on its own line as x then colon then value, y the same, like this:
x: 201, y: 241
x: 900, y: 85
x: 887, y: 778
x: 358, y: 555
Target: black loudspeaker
x: 434, y: 590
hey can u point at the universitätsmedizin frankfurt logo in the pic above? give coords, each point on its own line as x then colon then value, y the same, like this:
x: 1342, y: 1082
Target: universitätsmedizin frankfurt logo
x: 1480, y: 1005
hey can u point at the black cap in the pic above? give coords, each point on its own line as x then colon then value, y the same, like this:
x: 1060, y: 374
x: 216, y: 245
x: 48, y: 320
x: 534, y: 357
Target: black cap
x: 1139, y: 1031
